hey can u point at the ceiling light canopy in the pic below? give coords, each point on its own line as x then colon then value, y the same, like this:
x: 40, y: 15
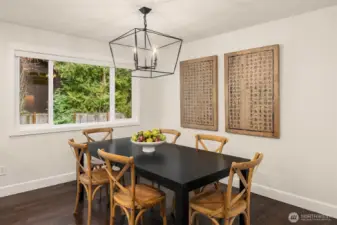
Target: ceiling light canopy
x: 152, y: 54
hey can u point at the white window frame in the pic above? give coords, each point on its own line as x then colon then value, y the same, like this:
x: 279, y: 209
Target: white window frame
x: 28, y: 129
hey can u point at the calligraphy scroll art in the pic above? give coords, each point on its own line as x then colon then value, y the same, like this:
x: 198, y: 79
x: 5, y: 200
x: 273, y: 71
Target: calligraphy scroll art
x: 199, y: 93
x: 252, y: 92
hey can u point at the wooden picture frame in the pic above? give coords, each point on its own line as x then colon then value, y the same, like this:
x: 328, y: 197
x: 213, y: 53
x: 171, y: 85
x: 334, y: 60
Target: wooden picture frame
x: 199, y: 93
x: 258, y: 69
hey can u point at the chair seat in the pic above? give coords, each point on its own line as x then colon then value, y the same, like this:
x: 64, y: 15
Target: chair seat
x: 146, y: 196
x: 99, y: 176
x: 209, y: 201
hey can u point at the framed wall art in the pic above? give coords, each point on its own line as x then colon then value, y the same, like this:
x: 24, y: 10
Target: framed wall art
x: 199, y: 93
x: 252, y: 104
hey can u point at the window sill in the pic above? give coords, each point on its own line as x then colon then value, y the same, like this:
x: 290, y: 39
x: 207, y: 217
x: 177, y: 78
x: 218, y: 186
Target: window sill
x: 46, y: 128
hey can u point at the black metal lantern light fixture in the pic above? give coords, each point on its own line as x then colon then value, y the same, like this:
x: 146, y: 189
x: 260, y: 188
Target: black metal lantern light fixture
x: 150, y: 53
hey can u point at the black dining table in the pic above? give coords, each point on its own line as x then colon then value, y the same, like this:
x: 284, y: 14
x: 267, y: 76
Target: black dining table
x: 179, y: 168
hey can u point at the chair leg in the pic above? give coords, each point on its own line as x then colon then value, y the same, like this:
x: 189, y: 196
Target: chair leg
x: 77, y: 196
x: 140, y: 216
x: 190, y: 221
x: 247, y: 219
x: 163, y: 211
x: 89, y: 203
x: 231, y: 221
x: 112, y: 214
x: 226, y: 222
x: 214, y: 221
x: 194, y: 217
x: 132, y: 217
x: 248, y: 214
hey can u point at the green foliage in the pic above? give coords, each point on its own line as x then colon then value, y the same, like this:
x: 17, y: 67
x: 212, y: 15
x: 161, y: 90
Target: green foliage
x: 123, y: 90
x: 85, y: 89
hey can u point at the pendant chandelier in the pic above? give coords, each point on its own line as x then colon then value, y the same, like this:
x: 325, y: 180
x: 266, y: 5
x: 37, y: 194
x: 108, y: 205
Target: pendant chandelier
x: 149, y: 53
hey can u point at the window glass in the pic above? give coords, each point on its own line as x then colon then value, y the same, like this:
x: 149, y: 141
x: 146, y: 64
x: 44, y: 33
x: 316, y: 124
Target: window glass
x: 33, y: 91
x: 81, y: 93
x: 123, y: 93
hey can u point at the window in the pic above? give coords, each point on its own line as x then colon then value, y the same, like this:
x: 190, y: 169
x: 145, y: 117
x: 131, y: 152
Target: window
x: 81, y: 93
x: 57, y: 92
x: 33, y: 91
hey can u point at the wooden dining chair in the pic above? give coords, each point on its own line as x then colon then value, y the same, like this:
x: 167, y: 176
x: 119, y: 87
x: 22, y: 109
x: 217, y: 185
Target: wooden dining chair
x: 134, y: 199
x: 107, y: 131
x: 200, y: 138
x: 176, y: 134
x: 92, y: 180
x: 89, y: 134
x: 216, y: 204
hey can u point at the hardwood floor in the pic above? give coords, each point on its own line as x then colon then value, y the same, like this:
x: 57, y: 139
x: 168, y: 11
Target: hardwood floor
x: 54, y: 206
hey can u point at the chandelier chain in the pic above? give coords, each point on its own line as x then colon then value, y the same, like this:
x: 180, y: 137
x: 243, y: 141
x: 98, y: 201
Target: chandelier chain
x: 145, y: 22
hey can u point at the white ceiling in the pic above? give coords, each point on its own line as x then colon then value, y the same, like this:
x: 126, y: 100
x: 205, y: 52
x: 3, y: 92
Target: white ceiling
x: 189, y: 19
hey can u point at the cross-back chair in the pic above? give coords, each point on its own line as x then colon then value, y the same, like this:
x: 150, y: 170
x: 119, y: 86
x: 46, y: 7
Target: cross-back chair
x: 134, y: 199
x: 216, y: 204
x: 200, y: 138
x: 175, y: 133
x: 88, y: 133
x: 92, y: 180
x: 97, y: 163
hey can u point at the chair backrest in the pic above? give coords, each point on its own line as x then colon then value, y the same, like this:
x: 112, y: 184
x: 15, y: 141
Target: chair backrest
x: 128, y: 162
x: 107, y: 131
x: 175, y: 133
x: 79, y: 151
x: 199, y: 138
x: 236, y: 168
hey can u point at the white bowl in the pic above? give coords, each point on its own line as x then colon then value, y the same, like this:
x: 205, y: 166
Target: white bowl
x: 148, y: 147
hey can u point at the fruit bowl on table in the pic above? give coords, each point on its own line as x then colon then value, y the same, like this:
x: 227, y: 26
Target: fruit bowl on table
x: 148, y: 147
x: 148, y: 139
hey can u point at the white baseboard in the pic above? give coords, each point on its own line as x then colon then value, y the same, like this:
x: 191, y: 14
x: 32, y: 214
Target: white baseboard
x: 36, y: 184
x: 292, y: 199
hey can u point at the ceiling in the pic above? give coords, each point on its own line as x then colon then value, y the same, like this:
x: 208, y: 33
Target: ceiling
x: 188, y: 19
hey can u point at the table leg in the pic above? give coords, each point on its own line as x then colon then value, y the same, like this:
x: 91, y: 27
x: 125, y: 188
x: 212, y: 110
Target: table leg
x: 241, y: 187
x: 182, y: 204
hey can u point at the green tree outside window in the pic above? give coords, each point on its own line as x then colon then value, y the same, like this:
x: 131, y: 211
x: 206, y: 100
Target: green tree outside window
x: 85, y: 89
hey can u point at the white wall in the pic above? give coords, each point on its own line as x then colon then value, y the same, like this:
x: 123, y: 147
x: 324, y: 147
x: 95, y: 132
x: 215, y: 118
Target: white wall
x: 300, y: 167
x: 40, y: 160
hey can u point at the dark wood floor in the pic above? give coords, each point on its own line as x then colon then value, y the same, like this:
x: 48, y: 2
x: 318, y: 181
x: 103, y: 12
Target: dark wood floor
x: 54, y: 206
